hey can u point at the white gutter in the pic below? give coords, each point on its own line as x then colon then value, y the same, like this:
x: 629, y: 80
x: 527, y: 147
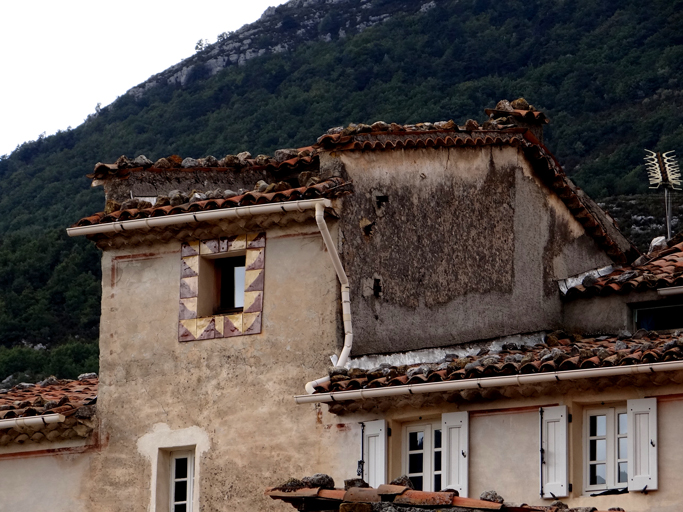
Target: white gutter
x: 674, y: 290
x: 489, y: 382
x: 210, y: 215
x: 32, y: 421
x: 345, y: 296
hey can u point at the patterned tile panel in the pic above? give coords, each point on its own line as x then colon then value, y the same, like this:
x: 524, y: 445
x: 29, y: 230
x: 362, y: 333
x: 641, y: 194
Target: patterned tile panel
x: 192, y: 327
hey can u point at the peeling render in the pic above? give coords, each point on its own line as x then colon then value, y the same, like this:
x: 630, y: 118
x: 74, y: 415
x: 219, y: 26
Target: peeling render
x: 439, y: 354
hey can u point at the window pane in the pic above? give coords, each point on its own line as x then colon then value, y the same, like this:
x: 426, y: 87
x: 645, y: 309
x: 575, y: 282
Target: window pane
x: 598, y: 449
x: 623, y: 448
x: 598, y: 425
x: 415, y: 463
x: 437, y: 461
x: 417, y: 482
x: 180, y: 493
x: 416, y: 440
x: 437, y: 439
x: 622, y: 423
x: 598, y: 474
x: 181, y: 467
x: 437, y: 483
x: 239, y: 286
x: 180, y: 508
x: 623, y: 472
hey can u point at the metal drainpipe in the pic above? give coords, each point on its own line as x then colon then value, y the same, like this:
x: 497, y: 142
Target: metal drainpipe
x: 345, y: 295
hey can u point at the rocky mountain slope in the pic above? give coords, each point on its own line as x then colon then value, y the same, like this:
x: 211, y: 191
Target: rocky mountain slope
x: 607, y: 74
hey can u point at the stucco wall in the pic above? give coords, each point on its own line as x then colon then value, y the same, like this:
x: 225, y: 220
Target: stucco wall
x: 30, y: 481
x: 445, y: 246
x: 504, y: 441
x: 604, y: 315
x: 231, y: 398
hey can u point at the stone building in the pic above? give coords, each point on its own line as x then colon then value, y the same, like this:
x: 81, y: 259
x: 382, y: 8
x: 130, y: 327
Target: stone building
x: 482, y: 314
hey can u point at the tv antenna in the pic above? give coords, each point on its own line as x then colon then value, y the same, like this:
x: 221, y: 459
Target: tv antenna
x: 663, y: 171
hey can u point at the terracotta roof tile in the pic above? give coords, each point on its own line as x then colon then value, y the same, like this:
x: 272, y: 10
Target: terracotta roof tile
x: 52, y: 396
x: 662, y: 270
x: 124, y: 167
x: 552, y: 356
x: 330, y: 188
x: 396, y: 497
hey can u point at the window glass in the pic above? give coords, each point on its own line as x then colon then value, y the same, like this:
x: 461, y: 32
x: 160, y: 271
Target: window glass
x: 622, y: 423
x: 416, y: 440
x: 606, y: 449
x: 659, y: 318
x: 598, y: 474
x: 231, y: 274
x: 182, y: 471
x: 238, y: 287
x: 422, y: 455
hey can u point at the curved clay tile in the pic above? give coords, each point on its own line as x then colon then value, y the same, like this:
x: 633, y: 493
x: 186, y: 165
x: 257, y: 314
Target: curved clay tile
x: 437, y: 376
x: 377, y: 383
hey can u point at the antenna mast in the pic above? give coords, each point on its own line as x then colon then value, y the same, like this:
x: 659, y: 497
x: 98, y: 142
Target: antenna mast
x: 663, y: 171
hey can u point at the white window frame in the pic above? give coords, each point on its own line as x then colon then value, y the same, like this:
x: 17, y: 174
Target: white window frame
x: 611, y: 438
x: 428, y: 471
x: 189, y: 496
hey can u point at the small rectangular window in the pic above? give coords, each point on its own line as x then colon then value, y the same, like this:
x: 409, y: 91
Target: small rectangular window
x: 658, y: 318
x: 182, y: 481
x: 230, y: 275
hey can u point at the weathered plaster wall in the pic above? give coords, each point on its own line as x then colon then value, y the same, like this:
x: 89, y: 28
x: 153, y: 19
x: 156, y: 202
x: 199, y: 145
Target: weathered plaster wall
x: 604, y: 315
x: 504, y: 440
x: 47, y: 481
x: 445, y: 246
x: 234, y: 395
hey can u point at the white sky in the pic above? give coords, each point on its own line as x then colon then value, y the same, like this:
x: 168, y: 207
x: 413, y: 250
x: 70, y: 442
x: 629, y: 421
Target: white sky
x: 58, y: 59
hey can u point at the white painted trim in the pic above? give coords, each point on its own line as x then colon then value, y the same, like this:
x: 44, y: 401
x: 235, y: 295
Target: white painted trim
x: 375, y: 453
x: 455, y: 459
x: 555, y: 452
x: 642, y: 444
x: 161, y: 437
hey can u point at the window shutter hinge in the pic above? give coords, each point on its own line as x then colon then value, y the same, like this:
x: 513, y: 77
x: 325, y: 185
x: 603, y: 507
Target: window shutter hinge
x: 569, y: 418
x: 570, y: 485
x: 388, y: 431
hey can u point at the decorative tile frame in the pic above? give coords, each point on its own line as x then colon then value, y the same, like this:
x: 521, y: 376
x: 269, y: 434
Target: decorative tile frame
x: 190, y: 326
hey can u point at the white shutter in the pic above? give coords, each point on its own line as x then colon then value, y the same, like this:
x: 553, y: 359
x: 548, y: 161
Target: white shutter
x: 642, y: 444
x: 375, y: 453
x: 455, y: 439
x: 554, y: 455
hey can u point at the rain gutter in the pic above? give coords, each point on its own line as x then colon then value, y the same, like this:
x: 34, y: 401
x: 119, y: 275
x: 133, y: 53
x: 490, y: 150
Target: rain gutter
x: 32, y: 421
x: 488, y: 382
x: 239, y: 212
x: 674, y: 290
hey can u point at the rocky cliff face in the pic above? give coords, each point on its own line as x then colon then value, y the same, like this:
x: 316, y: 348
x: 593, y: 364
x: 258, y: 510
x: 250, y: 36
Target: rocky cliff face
x: 283, y: 28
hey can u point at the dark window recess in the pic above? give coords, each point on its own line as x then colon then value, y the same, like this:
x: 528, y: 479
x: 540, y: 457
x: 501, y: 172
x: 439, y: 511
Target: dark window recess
x: 230, y: 274
x: 381, y: 200
x: 377, y: 288
x: 659, y: 318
